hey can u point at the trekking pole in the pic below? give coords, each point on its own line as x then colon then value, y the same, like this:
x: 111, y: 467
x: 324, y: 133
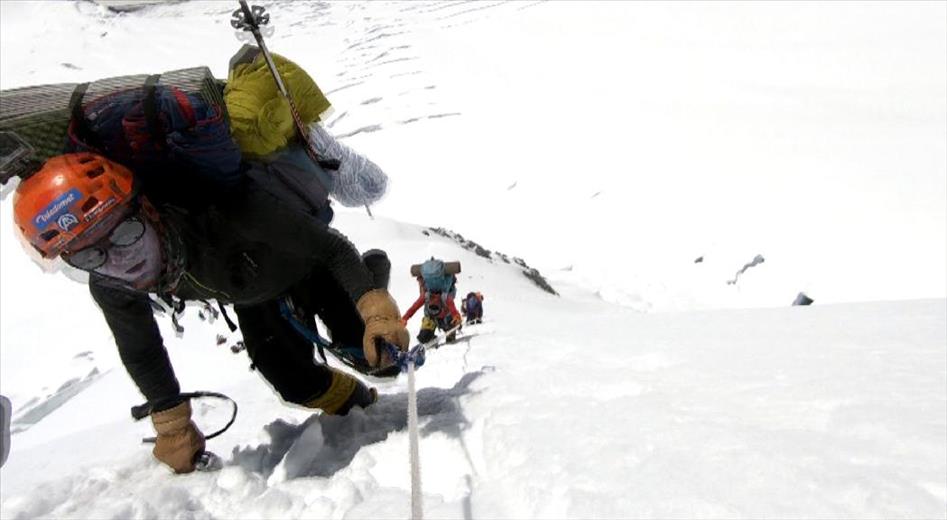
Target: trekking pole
x: 250, y: 19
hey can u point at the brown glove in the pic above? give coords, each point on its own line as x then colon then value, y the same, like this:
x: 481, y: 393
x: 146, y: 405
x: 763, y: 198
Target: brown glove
x: 178, y: 440
x: 382, y: 320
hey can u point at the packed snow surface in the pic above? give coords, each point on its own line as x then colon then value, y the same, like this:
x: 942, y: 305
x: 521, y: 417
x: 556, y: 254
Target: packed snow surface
x: 610, y: 145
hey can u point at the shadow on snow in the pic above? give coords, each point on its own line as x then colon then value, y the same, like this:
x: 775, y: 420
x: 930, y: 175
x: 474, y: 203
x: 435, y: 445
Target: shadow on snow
x: 324, y: 444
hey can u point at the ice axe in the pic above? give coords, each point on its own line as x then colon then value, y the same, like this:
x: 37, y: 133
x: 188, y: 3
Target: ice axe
x: 251, y: 19
x: 203, y: 460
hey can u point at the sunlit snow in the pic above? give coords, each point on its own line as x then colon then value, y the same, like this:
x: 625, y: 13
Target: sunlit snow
x: 609, y: 145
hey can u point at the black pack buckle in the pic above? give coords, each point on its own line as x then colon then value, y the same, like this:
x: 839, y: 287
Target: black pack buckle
x: 16, y: 157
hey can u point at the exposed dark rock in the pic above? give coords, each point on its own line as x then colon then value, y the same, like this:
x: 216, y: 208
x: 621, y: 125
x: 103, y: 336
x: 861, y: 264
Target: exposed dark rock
x: 482, y: 252
x: 539, y: 280
x: 802, y: 299
x: 470, y: 245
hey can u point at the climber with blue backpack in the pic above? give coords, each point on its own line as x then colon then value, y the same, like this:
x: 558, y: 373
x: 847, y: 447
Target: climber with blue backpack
x: 437, y: 284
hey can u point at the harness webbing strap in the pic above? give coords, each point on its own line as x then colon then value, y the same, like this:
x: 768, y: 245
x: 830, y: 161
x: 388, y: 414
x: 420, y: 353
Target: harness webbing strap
x: 78, y: 115
x: 321, y: 343
x: 223, y: 310
x: 150, y: 105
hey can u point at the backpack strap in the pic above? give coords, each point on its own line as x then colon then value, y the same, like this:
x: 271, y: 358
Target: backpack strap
x: 223, y: 310
x: 80, y: 127
x: 150, y: 105
x: 172, y: 307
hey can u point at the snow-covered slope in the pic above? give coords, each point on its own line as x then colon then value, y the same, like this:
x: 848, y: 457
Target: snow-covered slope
x: 625, y: 139
x: 554, y: 407
x: 608, y: 145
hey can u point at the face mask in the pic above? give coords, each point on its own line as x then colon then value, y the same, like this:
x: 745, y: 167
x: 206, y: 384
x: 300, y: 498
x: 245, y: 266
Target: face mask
x: 131, y: 253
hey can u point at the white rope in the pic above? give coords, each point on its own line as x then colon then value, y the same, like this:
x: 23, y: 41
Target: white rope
x: 417, y: 512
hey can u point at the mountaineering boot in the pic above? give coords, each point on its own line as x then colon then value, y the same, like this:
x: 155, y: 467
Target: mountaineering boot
x: 425, y: 335
x: 455, y: 322
x: 179, y: 442
x: 344, y: 392
x: 362, y: 396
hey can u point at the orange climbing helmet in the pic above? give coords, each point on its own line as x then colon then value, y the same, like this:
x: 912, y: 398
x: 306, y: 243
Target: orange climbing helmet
x: 70, y: 199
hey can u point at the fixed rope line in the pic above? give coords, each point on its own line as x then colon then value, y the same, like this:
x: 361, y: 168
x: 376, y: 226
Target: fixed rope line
x: 408, y: 361
x: 417, y: 510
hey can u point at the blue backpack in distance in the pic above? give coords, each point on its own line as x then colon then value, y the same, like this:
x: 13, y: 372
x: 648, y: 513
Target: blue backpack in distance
x: 435, y: 277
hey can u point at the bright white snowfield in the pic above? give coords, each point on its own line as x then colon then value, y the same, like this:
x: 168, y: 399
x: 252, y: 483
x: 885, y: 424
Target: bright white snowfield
x: 609, y: 145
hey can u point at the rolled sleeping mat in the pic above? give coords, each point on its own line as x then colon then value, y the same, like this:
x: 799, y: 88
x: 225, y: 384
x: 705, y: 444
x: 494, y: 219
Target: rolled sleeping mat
x: 449, y: 268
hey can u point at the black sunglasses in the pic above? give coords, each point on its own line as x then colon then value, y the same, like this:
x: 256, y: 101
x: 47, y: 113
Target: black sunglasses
x: 128, y: 232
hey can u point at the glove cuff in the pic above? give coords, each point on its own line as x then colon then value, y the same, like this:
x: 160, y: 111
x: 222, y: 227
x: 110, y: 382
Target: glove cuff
x: 377, y: 303
x: 173, y: 419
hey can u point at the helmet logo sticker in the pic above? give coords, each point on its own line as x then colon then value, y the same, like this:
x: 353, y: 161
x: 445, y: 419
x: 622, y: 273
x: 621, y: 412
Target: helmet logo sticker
x: 99, y: 208
x: 56, y: 209
x: 67, y: 221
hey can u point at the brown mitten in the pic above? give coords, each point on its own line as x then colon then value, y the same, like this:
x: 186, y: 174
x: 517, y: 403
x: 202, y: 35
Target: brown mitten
x: 382, y: 321
x: 179, y: 440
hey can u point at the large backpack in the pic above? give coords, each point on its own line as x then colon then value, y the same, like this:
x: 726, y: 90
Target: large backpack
x: 158, y: 125
x: 156, y: 130
x: 172, y: 130
x: 473, y: 303
x: 436, y: 278
x: 437, y: 275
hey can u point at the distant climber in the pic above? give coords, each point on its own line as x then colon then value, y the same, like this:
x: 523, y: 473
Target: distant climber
x: 472, y: 308
x: 437, y: 283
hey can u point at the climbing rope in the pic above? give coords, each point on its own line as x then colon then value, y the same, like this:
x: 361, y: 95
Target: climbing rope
x: 408, y: 361
x: 417, y: 510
